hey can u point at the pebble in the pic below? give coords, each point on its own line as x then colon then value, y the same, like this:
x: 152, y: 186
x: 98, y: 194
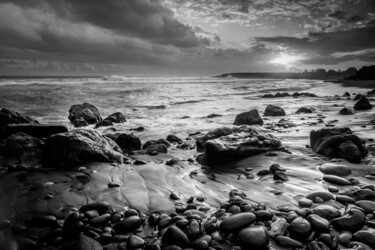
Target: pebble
x: 368, y: 206
x: 365, y: 236
x: 237, y: 222
x: 285, y: 241
x: 326, y: 212
x: 325, y: 196
x: 254, y: 237
x: 335, y: 169
x: 318, y: 223
x: 333, y: 189
x: 113, y: 184
x: 174, y: 196
x: 352, y: 222
x: 135, y: 242
x: 336, y: 180
x: 304, y: 202
x: 174, y: 236
x: 344, y: 199
x: 276, y: 167
x: 345, y: 237
x: 279, y: 175
x: 101, y: 220
x: 299, y: 227
x: 128, y: 224
x: 278, y: 227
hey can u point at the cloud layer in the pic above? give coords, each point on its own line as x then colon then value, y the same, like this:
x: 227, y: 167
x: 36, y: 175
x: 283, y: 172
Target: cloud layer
x: 182, y: 37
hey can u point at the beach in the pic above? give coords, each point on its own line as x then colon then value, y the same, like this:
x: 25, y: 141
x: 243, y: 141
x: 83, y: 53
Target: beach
x: 165, y: 181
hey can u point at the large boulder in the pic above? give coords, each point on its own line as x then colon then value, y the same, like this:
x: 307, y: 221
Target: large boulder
x: 85, y: 113
x: 74, y: 148
x: 362, y: 104
x: 213, y: 134
x: 36, y: 130
x: 21, y: 147
x: 242, y: 142
x: 337, y: 142
x: 127, y: 142
x: 10, y: 117
x: 248, y: 118
x: 272, y: 110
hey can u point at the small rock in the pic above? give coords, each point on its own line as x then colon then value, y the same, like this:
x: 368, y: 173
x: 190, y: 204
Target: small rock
x: 304, y: 202
x: 237, y: 222
x: 175, y: 236
x: 285, y: 241
x: 255, y: 237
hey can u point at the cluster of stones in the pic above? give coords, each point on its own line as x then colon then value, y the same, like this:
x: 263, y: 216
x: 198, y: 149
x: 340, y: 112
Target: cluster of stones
x: 317, y: 224
x: 286, y: 94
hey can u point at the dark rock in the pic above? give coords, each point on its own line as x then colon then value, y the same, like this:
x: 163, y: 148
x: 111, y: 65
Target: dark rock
x: 363, y: 194
x: 127, y: 225
x: 127, y: 142
x: 365, y: 236
x: 304, y: 202
x: 84, y: 112
x: 174, y: 139
x: 346, y: 94
x: 299, y: 227
x: 323, y: 195
x: 100, y: 207
x: 345, y: 199
x: 276, y: 167
x: 353, y: 221
x: 326, y: 212
x: 24, y: 148
x: 272, y: 110
x: 335, y: 169
x: 159, y: 148
x: 328, y: 142
x: 346, y: 111
x: 74, y: 148
x: 10, y: 117
x: 36, y: 130
x: 86, y: 243
x: 285, y: 241
x: 278, y: 227
x: 284, y: 94
x: 245, y: 141
x: 116, y: 117
x: 213, y: 115
x: 304, y: 110
x: 359, y: 245
x: 155, y: 142
x: 175, y: 236
x: 279, y: 175
x: 100, y: 221
x: 248, y: 118
x: 318, y: 223
x: 255, y: 237
x: 357, y: 97
x: 368, y: 206
x: 348, y: 150
x: 336, y: 180
x: 263, y: 215
x: 236, y: 222
x: 317, y: 245
x: 104, y: 123
x: 330, y: 241
x: 362, y: 104
x: 214, y: 134
x: 79, y: 122
x: 135, y: 242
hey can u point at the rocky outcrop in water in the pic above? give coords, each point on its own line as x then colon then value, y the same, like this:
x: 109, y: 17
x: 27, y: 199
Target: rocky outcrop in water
x: 11, y: 117
x: 272, y: 110
x: 231, y: 144
x: 248, y: 118
x: 74, y: 148
x: 127, y: 142
x: 337, y: 142
x: 36, y: 130
x: 362, y: 104
x: 84, y: 114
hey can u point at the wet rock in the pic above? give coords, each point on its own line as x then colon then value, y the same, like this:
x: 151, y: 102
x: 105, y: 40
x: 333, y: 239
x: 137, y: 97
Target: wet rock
x: 236, y: 222
x: 242, y: 142
x: 101, y: 220
x: 104, y: 123
x: 346, y: 111
x: 77, y: 147
x: 113, y: 184
x: 335, y: 169
x: 329, y: 240
x: 100, y: 207
x: 276, y: 167
x: 279, y: 175
x: 36, y: 130
x: 263, y: 215
x: 304, y: 110
x: 254, y: 237
x: 367, y: 206
x: 175, y: 236
x: 213, y: 115
x: 299, y: 227
x: 127, y: 225
x: 318, y: 223
x: 135, y: 242
x: 317, y: 245
x: 23, y: 147
x: 365, y: 236
x: 11, y: 117
x: 327, y: 142
x: 322, y: 195
x: 213, y: 134
x: 362, y: 104
x: 344, y: 199
x: 304, y: 202
x: 345, y: 237
x: 155, y: 149
x: 336, y: 180
x: 285, y: 241
x: 359, y: 245
x: 127, y: 142
x: 326, y: 212
x: 363, y: 194
x: 174, y: 139
x: 353, y: 221
x: 116, y: 117
x: 272, y: 110
x: 278, y: 227
x: 85, y: 243
x: 85, y: 112
x: 248, y: 118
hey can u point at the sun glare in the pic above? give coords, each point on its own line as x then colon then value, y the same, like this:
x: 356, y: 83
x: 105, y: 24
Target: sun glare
x: 287, y: 61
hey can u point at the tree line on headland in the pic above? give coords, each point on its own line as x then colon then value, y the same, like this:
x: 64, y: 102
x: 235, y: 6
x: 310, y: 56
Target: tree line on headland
x: 365, y: 73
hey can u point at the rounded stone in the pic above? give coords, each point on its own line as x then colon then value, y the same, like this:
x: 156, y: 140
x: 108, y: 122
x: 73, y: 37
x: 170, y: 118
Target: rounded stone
x: 368, y: 206
x: 345, y: 237
x: 175, y: 236
x: 336, y: 180
x: 353, y: 221
x: 255, y: 237
x: 128, y: 224
x: 318, y: 222
x: 237, y: 222
x: 335, y: 169
x: 304, y: 202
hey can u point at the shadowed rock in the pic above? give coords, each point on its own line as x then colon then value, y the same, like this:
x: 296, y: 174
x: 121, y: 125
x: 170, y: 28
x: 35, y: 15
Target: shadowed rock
x: 10, y: 117
x: 362, y: 104
x: 272, y: 110
x: 77, y: 147
x: 337, y: 142
x: 79, y: 114
x: 36, y: 130
x: 304, y: 110
x: 116, y: 117
x: 346, y: 111
x: 248, y: 118
x: 244, y: 141
x: 127, y: 142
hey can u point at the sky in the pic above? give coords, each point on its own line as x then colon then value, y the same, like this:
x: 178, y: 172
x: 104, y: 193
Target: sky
x: 183, y: 37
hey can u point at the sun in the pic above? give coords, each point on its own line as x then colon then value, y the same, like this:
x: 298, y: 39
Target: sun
x: 286, y: 60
